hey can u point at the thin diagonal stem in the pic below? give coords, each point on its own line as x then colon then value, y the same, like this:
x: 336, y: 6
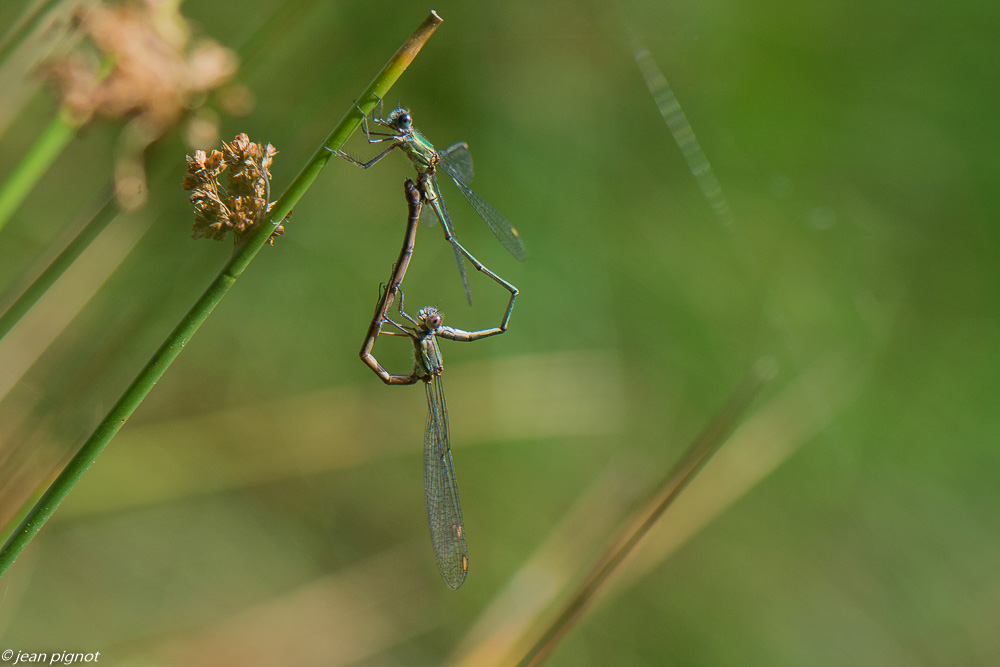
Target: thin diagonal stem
x: 48, y: 277
x: 29, y: 170
x: 243, y: 254
x: 43, y: 153
x: 697, y: 455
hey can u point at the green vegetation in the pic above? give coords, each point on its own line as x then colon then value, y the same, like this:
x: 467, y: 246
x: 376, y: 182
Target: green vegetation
x: 268, y: 492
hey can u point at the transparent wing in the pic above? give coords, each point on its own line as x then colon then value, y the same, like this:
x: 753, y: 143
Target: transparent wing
x: 444, y: 513
x: 498, y: 224
x: 441, y: 211
x: 428, y: 220
x: 458, y: 161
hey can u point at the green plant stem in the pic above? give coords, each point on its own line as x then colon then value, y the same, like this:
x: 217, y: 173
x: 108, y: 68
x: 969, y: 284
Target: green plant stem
x: 45, y: 280
x: 41, y: 156
x: 202, y: 308
x: 47, y: 148
x: 694, y: 459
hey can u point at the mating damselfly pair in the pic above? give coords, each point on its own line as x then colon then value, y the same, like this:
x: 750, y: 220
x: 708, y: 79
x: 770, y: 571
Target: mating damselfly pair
x: 444, y: 511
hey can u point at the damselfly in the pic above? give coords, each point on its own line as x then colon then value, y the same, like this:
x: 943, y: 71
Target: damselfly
x: 444, y: 511
x: 456, y: 161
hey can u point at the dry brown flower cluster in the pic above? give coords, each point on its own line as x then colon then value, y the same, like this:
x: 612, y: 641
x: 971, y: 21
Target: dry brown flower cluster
x: 156, y: 68
x: 154, y: 74
x: 243, y: 202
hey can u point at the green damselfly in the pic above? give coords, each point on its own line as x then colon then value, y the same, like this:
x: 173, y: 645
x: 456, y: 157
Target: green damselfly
x: 456, y: 161
x: 444, y: 511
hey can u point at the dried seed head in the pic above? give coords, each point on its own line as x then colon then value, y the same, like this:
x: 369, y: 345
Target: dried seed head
x: 244, y: 201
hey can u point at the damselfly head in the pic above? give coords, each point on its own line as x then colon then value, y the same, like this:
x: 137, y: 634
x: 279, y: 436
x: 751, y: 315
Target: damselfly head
x: 400, y: 119
x: 431, y: 318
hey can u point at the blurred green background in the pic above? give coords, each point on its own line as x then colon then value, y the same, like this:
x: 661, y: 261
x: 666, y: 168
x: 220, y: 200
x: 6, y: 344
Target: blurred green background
x: 264, y: 505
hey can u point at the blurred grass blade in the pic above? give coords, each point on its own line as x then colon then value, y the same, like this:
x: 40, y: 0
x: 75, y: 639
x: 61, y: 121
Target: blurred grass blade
x: 53, y: 271
x: 206, y: 303
x: 350, y: 616
x: 43, y: 153
x: 38, y: 160
x: 26, y: 342
x: 681, y: 130
x: 799, y: 413
x: 41, y: 30
x: 697, y: 455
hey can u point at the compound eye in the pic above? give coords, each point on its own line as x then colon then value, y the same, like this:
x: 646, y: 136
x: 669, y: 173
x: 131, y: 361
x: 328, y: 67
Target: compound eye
x: 434, y: 321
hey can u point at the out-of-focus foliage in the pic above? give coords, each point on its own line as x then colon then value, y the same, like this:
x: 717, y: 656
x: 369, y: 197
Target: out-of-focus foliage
x: 265, y: 504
